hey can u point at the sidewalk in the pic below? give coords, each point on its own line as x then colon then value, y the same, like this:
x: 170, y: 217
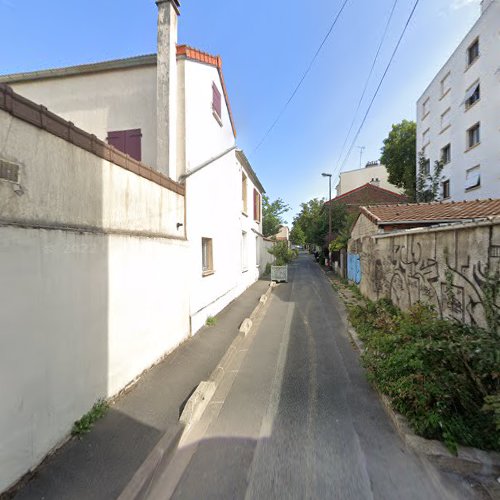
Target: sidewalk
x: 101, y: 464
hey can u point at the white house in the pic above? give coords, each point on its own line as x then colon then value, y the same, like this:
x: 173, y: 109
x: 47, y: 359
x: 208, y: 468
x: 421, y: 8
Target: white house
x: 171, y: 111
x: 457, y: 115
x: 373, y: 173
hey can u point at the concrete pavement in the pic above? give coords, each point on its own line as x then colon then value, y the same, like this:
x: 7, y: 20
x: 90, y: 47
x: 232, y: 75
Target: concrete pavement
x: 101, y: 464
x: 296, y: 418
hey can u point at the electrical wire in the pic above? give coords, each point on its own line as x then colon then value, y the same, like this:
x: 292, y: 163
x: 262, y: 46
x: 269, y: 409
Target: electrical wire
x: 379, y: 85
x: 367, y: 81
x: 301, y: 81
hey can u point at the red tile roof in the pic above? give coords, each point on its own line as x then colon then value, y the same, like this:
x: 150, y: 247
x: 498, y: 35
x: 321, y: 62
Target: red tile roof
x: 432, y: 212
x: 369, y: 187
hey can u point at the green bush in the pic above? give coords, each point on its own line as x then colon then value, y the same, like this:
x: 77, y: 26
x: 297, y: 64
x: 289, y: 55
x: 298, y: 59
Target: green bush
x: 82, y: 426
x: 282, y: 254
x: 443, y: 377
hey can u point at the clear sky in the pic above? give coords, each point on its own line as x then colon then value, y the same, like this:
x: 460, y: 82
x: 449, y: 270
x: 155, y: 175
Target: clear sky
x: 266, y: 45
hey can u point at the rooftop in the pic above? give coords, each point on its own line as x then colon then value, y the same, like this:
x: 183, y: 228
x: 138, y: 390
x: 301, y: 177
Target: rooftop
x: 432, y: 212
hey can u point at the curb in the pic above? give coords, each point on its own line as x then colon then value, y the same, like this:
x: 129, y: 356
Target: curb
x: 467, y: 461
x: 139, y: 484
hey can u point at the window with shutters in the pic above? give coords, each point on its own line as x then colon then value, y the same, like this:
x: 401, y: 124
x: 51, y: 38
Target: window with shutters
x: 127, y: 141
x: 216, y: 103
x: 256, y: 205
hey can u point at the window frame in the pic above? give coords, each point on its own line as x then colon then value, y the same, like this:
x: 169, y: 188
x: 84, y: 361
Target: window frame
x: 445, y: 193
x: 244, y: 252
x: 445, y: 125
x: 468, y: 103
x: 474, y: 43
x: 445, y: 80
x: 447, y: 149
x: 470, y: 134
x: 207, y: 256
x: 469, y: 171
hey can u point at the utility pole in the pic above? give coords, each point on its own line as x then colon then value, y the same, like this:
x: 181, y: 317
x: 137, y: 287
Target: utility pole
x: 329, y: 211
x: 361, y: 149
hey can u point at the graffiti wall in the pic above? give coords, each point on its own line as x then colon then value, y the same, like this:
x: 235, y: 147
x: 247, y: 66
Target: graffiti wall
x: 456, y: 269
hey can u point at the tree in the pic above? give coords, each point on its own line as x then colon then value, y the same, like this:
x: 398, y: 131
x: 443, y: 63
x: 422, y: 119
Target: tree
x: 297, y: 236
x: 399, y: 156
x: 428, y: 182
x: 272, y: 215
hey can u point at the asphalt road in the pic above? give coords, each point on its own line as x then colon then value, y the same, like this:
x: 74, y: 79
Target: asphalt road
x: 296, y: 417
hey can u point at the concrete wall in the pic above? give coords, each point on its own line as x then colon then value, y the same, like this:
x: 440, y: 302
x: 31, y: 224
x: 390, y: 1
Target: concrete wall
x: 265, y: 256
x: 93, y: 287
x: 484, y: 70
x: 450, y: 267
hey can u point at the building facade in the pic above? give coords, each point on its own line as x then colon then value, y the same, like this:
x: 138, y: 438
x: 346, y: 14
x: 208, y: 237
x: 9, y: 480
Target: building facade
x: 457, y: 115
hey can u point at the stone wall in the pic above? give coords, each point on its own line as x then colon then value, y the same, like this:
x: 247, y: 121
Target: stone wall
x: 452, y: 267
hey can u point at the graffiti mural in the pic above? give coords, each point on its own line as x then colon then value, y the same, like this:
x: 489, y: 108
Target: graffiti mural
x: 456, y: 271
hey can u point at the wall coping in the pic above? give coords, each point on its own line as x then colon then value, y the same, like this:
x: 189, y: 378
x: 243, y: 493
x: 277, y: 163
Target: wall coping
x: 39, y: 116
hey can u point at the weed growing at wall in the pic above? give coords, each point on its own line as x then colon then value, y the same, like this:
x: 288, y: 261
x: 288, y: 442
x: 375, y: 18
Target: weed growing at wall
x: 442, y: 376
x: 211, y: 321
x: 82, y: 426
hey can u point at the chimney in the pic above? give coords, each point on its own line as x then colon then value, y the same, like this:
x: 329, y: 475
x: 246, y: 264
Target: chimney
x: 166, y: 88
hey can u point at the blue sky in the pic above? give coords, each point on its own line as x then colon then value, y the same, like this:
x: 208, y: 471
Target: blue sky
x: 265, y: 46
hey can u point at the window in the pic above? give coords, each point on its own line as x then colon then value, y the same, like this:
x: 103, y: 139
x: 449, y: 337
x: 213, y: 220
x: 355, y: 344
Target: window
x: 445, y: 85
x: 256, y: 205
x: 244, y: 253
x: 425, y: 137
x: 473, y: 52
x: 473, y: 136
x: 445, y: 119
x: 472, y: 178
x: 425, y: 108
x: 207, y: 256
x: 426, y: 167
x: 472, y: 95
x: 127, y: 141
x: 244, y: 192
x: 446, y: 189
x: 446, y: 154
x: 216, y: 103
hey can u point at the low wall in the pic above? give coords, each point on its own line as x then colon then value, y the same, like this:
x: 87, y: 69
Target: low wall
x: 265, y: 256
x: 93, y: 285
x: 453, y: 267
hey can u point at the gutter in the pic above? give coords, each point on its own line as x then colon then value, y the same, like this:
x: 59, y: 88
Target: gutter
x: 206, y: 163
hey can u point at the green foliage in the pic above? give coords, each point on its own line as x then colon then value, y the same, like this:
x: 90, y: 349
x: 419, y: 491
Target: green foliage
x: 342, y: 239
x: 272, y: 215
x: 82, y: 426
x: 282, y: 254
x: 210, y: 321
x: 297, y: 236
x: 268, y: 269
x: 399, y: 156
x: 428, y: 182
x: 443, y: 376
x: 312, y: 221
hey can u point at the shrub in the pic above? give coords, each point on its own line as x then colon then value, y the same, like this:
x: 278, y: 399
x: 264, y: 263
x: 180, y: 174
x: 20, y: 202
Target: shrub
x: 443, y: 376
x: 82, y: 426
x: 282, y: 254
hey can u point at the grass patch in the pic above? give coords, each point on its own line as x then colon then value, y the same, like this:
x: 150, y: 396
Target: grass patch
x: 211, y: 321
x: 82, y: 426
x: 442, y: 376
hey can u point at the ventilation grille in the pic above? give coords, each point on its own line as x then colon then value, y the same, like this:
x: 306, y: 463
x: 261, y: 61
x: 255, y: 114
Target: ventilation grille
x: 9, y: 171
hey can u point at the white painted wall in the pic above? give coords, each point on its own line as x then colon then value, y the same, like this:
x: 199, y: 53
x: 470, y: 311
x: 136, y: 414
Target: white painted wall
x: 90, y: 300
x: 486, y: 70
x: 356, y: 178
x: 102, y: 102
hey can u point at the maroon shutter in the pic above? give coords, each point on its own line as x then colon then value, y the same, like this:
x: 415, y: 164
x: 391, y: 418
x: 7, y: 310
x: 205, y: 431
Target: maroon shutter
x: 255, y: 206
x: 133, y: 143
x: 127, y: 141
x: 217, y: 101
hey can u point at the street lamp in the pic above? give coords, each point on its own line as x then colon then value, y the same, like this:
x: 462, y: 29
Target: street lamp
x: 329, y: 210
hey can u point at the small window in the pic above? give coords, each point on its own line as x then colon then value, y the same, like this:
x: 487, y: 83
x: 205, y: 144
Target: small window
x: 446, y: 189
x: 473, y: 52
x: 244, y: 190
x: 472, y: 95
x: 473, y: 136
x: 472, y: 178
x: 244, y: 252
x: 426, y: 167
x: 207, y: 256
x: 445, y: 119
x: 256, y: 205
x: 446, y: 154
x: 425, y: 137
x: 445, y: 85
x: 216, y: 102
x: 425, y: 108
x: 127, y: 141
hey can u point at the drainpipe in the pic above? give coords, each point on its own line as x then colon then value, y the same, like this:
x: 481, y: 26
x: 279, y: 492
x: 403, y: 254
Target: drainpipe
x: 166, y: 88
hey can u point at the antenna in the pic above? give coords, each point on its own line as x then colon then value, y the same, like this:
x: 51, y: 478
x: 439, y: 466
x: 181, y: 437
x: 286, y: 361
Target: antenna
x: 361, y: 149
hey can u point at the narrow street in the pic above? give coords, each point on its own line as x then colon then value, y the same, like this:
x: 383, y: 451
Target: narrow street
x: 296, y: 417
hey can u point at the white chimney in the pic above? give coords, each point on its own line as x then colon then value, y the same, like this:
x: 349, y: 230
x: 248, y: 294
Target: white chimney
x: 166, y: 91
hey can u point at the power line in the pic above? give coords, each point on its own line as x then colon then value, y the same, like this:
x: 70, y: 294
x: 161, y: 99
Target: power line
x: 367, y: 81
x: 280, y: 114
x: 380, y: 83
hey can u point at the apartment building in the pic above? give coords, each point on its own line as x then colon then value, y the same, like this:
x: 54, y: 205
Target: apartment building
x: 457, y: 115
